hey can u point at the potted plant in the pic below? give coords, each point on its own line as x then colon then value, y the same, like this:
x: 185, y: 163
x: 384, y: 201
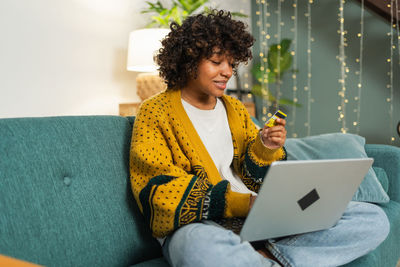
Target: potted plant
x: 177, y: 11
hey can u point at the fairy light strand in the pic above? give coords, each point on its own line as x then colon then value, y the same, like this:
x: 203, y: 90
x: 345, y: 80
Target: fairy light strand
x: 263, y: 45
x: 398, y: 30
x: 267, y: 36
x: 308, y: 87
x: 398, y: 49
x: 390, y: 99
x: 262, y: 49
x: 360, y: 61
x: 294, y: 75
x: 246, y: 82
x: 342, y: 60
x: 278, y: 64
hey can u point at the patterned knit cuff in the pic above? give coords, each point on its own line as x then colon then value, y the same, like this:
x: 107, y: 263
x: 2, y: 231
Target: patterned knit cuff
x: 145, y: 196
x: 258, y: 158
x: 264, y: 153
x: 254, y: 171
x: 217, y: 200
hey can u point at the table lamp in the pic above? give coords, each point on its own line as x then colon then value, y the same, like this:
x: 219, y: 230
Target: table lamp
x: 143, y: 46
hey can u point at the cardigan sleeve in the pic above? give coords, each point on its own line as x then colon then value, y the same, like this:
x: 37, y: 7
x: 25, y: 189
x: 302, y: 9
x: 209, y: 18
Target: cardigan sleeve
x: 169, y: 190
x: 254, y: 158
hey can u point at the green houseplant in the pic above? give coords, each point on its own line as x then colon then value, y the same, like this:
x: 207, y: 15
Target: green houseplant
x: 177, y: 11
x: 279, y: 61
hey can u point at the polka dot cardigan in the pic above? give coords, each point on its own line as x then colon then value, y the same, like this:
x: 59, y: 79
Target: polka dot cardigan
x: 174, y: 179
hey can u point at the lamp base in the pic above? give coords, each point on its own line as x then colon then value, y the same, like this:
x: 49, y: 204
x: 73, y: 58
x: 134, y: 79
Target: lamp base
x: 128, y: 109
x: 149, y: 84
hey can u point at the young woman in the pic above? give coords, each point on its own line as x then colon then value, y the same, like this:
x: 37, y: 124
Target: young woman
x: 197, y: 158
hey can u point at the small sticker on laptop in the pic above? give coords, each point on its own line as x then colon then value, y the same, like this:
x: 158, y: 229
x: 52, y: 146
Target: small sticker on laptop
x: 308, y: 199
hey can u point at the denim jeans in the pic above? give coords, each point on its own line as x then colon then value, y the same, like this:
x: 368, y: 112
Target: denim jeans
x: 361, y: 229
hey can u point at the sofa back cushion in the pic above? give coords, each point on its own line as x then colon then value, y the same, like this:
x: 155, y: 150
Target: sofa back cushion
x: 65, y: 197
x: 335, y: 146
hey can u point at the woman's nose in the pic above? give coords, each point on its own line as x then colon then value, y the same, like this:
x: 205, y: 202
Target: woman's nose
x: 226, y: 69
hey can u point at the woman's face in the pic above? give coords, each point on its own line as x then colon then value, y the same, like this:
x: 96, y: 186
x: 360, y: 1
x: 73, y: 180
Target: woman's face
x: 212, y: 76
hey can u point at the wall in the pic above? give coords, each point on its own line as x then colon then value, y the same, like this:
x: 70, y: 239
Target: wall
x: 374, y: 122
x: 61, y: 57
x: 65, y: 57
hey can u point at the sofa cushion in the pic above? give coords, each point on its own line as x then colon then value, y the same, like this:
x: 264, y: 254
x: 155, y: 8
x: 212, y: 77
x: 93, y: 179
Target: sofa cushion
x: 382, y: 178
x: 65, y: 197
x: 334, y: 146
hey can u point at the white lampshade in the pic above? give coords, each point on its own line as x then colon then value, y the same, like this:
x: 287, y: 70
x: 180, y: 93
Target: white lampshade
x: 143, y: 45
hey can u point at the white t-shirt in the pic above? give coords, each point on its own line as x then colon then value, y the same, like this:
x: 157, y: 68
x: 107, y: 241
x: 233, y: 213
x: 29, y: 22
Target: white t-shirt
x: 213, y: 128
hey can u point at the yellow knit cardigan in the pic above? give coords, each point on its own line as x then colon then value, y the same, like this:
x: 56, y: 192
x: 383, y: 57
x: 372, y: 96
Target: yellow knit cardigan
x: 173, y: 178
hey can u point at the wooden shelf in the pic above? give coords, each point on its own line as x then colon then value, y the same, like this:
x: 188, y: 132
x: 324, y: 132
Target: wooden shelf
x: 128, y: 109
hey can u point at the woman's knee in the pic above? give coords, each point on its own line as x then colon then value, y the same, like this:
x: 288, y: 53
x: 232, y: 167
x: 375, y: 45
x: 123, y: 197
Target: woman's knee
x: 382, y: 222
x: 373, y: 219
x: 194, y: 243
x: 200, y: 244
x: 200, y: 236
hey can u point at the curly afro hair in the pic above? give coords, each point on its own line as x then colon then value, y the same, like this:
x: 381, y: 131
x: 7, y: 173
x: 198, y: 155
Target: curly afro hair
x: 197, y: 38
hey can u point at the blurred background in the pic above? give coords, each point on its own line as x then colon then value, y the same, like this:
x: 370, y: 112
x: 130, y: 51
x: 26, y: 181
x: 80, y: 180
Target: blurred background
x: 332, y: 66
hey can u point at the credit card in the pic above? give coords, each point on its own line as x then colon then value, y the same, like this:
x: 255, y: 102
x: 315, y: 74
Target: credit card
x: 272, y: 121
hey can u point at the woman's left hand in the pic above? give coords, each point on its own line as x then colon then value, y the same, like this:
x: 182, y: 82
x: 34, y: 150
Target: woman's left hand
x: 274, y: 137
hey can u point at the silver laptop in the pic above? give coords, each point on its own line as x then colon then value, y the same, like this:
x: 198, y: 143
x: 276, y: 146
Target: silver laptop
x: 303, y: 196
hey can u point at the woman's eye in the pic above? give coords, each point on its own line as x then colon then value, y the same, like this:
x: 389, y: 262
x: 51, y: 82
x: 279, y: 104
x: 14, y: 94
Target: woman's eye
x: 215, y: 62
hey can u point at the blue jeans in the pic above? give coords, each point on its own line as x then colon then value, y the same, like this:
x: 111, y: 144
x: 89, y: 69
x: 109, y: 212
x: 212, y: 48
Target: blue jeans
x: 361, y: 229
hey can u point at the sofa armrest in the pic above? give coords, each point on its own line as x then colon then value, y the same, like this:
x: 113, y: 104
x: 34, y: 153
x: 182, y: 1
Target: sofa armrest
x: 388, y: 158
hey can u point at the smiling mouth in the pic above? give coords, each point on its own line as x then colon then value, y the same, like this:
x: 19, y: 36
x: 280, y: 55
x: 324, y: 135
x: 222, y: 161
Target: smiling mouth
x: 221, y: 84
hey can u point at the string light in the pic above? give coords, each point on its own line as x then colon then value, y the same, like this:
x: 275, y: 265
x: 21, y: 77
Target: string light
x: 294, y: 75
x: 397, y: 30
x: 278, y: 64
x: 390, y: 85
x: 343, y: 91
x: 398, y: 52
x: 398, y: 42
x: 360, y: 61
x: 308, y: 87
x: 246, y: 73
x: 263, y: 24
x: 343, y: 67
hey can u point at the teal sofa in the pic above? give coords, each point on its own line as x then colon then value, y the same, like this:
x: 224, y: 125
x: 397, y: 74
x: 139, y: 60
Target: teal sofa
x: 65, y: 197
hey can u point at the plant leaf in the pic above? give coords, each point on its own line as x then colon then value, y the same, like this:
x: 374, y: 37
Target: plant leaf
x: 256, y: 90
x: 285, y: 45
x: 285, y: 58
x: 239, y: 15
x: 176, y: 15
x: 260, y: 74
x: 285, y: 63
x: 191, y: 5
x: 288, y: 102
x: 157, y: 7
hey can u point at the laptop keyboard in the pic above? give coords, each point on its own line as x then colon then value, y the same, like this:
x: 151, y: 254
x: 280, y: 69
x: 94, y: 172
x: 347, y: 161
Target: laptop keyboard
x: 233, y: 224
